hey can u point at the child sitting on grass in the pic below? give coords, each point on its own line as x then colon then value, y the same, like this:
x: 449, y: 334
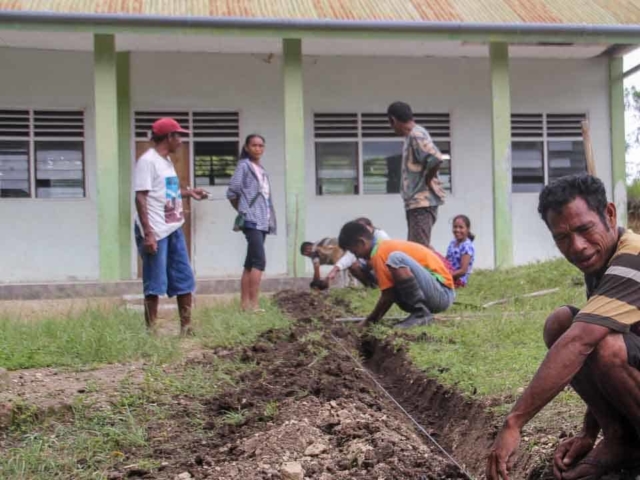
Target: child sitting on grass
x: 461, y: 251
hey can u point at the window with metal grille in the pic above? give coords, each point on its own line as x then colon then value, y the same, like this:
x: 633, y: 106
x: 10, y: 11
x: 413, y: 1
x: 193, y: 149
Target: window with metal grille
x: 215, y: 137
x: 216, y: 143
x: 360, y: 153
x: 42, y: 154
x: 544, y: 148
x: 336, y: 153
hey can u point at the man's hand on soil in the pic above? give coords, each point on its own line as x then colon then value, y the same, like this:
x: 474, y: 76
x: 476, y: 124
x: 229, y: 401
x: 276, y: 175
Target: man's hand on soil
x: 501, y: 453
x: 150, y: 244
x: 569, y: 452
x: 319, y: 284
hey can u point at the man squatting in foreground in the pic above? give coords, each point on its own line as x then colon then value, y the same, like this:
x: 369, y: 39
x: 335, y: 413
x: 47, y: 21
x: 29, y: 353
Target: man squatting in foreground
x: 596, y: 349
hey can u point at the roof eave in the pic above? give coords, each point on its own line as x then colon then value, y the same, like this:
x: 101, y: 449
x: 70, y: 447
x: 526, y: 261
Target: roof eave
x: 104, y: 23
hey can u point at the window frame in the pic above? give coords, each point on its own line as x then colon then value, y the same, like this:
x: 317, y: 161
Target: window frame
x: 31, y: 140
x: 360, y: 139
x: 190, y: 139
x: 545, y: 139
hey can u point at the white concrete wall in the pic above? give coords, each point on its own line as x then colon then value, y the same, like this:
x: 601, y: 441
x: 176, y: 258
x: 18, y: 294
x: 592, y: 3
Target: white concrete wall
x: 57, y: 239
x: 245, y: 83
x: 558, y: 86
x: 44, y: 239
x: 461, y: 87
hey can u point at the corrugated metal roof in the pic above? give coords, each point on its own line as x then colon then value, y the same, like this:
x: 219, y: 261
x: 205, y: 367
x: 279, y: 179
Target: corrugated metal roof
x: 586, y: 12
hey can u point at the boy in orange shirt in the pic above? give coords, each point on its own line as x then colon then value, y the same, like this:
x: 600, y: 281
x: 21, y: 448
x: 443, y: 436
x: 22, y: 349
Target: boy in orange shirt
x: 409, y: 274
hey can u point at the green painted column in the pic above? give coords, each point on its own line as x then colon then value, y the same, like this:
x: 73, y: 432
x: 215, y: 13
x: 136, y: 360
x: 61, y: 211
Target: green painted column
x: 294, y: 153
x: 108, y: 180
x: 125, y: 162
x: 501, y: 150
x: 618, y: 140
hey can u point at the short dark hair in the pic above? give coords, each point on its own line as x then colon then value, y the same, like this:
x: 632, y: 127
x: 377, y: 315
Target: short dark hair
x: 351, y: 232
x: 305, y: 245
x: 365, y: 221
x: 400, y: 111
x: 159, y: 138
x: 565, y: 190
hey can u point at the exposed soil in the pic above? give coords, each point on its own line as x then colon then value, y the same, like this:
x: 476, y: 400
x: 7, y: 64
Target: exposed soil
x: 331, y: 421
x: 463, y: 426
x: 53, y: 389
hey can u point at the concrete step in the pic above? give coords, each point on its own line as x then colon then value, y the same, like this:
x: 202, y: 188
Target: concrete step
x: 132, y: 288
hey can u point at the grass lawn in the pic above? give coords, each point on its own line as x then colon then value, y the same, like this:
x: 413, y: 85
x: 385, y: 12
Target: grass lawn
x: 494, y: 351
x: 88, y: 441
x: 116, y: 335
x: 96, y: 336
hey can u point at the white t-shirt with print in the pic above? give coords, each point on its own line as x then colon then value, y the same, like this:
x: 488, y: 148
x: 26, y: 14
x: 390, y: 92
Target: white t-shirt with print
x: 157, y: 175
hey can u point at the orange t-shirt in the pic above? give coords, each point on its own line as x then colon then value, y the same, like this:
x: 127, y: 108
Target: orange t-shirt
x: 421, y: 254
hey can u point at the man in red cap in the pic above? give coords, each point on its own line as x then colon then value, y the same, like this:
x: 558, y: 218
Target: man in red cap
x: 165, y: 260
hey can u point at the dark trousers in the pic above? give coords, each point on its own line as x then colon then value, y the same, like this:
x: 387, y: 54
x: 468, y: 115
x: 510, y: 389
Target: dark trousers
x: 256, y: 257
x: 420, y: 222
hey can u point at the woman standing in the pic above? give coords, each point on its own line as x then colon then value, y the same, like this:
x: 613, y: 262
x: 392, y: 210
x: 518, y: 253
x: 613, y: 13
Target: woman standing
x: 250, y: 194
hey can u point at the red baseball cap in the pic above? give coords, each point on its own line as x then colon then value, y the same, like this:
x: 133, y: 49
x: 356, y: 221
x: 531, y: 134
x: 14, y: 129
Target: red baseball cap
x: 166, y: 126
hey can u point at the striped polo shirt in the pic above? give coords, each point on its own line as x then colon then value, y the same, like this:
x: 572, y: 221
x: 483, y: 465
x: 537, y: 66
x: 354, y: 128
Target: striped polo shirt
x: 614, y: 297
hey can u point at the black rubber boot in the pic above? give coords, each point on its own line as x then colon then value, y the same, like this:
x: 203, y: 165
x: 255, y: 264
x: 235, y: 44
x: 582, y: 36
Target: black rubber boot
x: 411, y: 299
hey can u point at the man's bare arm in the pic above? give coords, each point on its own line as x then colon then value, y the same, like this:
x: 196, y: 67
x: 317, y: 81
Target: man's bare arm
x: 150, y: 244
x: 563, y: 361
x: 386, y: 300
x: 143, y: 211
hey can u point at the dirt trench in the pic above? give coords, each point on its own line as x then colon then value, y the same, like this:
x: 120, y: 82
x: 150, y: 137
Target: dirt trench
x: 304, y: 411
x: 306, y: 405
x: 464, y: 427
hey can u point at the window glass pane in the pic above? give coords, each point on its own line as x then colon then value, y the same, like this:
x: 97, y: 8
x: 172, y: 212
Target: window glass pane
x: 527, y: 170
x: 382, y: 164
x: 566, y: 158
x: 336, y: 168
x: 59, y: 169
x: 14, y: 169
x: 444, y: 174
x: 215, y: 162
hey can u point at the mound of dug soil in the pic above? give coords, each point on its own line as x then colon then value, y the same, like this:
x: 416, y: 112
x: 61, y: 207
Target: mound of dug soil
x: 339, y: 439
x: 305, y: 412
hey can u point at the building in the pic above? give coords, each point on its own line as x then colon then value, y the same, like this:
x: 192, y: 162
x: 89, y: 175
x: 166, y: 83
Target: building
x: 502, y: 84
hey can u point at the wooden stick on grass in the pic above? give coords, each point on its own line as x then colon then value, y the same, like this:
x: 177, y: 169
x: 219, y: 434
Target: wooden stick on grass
x: 539, y: 293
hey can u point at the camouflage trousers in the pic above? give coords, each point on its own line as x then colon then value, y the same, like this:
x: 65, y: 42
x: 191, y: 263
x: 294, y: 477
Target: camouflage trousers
x: 420, y: 222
